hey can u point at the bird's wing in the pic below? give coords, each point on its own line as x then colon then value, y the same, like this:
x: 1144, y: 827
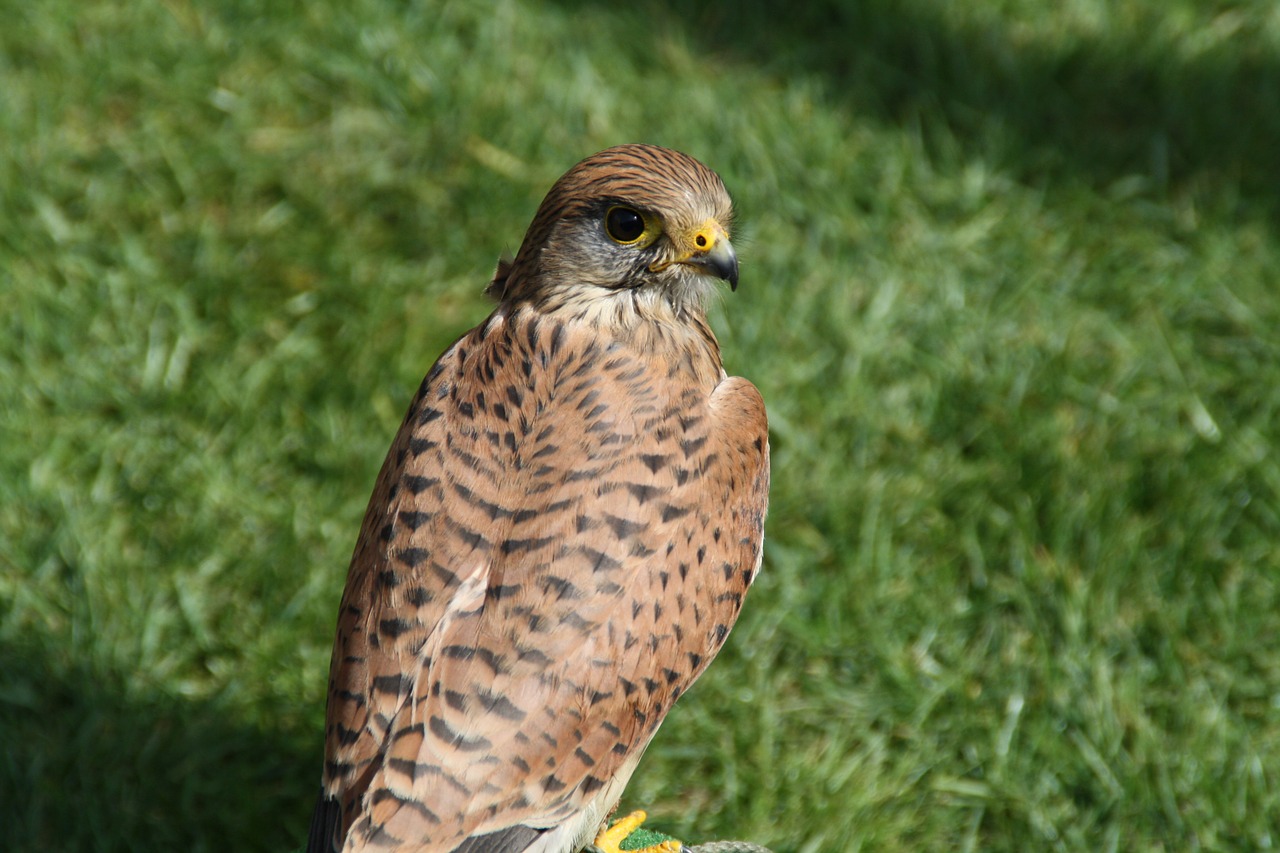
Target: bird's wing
x: 557, y: 546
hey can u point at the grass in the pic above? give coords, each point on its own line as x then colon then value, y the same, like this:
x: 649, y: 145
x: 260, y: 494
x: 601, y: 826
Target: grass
x: 1010, y: 290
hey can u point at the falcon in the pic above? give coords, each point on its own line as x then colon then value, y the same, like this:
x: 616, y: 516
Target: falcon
x: 561, y: 536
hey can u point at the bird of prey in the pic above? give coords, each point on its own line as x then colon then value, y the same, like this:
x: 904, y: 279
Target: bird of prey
x: 560, y: 538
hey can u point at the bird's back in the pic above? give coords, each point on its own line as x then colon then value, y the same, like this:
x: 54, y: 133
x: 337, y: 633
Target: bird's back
x: 558, y: 543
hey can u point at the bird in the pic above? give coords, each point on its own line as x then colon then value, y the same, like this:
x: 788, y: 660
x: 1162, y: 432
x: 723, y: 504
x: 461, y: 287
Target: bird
x: 560, y: 538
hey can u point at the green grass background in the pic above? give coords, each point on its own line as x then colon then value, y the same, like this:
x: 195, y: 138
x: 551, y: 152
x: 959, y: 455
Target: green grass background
x: 1011, y: 288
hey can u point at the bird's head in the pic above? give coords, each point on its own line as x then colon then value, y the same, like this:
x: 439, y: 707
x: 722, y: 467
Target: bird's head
x: 635, y: 223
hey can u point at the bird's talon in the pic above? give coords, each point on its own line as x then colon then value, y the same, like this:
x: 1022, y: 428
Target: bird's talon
x: 609, y: 840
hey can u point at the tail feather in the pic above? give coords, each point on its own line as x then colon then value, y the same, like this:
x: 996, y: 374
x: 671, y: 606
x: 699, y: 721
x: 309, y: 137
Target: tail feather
x: 322, y: 836
x: 513, y: 839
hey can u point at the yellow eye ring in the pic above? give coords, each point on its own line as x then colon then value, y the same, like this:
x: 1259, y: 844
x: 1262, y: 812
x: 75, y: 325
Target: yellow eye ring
x: 624, y: 225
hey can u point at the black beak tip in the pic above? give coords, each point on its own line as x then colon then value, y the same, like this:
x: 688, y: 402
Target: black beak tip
x: 728, y: 270
x: 720, y: 262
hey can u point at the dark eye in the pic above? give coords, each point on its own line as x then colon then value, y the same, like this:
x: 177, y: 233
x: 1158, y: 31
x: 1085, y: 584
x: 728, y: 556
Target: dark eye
x: 624, y: 225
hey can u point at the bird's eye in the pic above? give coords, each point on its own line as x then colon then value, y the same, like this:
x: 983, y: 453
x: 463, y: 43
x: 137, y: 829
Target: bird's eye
x: 624, y: 225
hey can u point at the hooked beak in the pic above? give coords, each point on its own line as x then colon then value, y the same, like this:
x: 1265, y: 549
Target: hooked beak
x: 718, y: 260
x: 712, y: 253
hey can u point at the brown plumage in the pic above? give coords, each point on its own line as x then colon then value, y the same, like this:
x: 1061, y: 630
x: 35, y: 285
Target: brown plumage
x: 561, y: 536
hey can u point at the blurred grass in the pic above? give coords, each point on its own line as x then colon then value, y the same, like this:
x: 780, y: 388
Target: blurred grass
x: 1010, y: 290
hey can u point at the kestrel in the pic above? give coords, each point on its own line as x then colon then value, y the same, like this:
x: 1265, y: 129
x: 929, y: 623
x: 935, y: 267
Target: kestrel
x: 561, y: 536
